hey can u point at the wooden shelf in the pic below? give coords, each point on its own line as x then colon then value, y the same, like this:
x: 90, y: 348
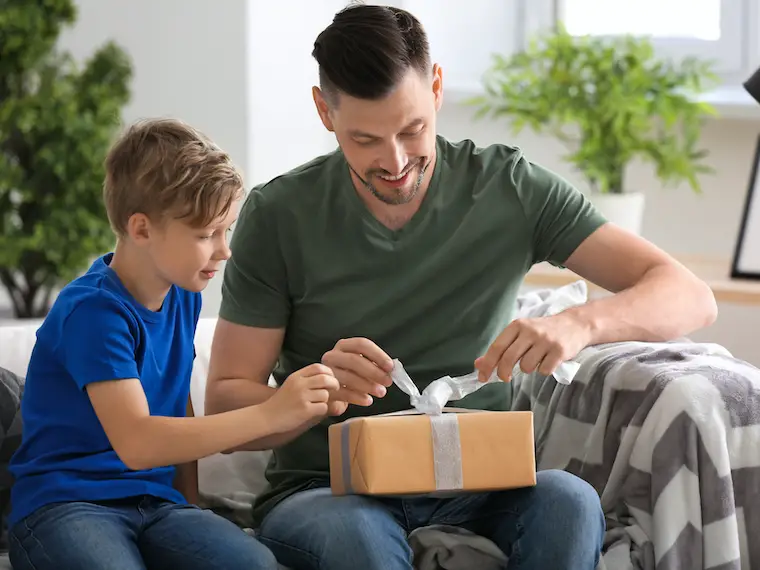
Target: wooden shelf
x: 715, y: 272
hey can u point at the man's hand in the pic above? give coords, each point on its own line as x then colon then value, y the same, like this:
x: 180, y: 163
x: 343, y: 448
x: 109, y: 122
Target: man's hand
x: 537, y: 344
x: 362, y: 369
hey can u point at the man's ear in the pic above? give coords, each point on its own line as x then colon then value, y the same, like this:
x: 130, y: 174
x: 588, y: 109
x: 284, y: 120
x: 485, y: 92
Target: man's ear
x: 438, y: 86
x: 322, y: 108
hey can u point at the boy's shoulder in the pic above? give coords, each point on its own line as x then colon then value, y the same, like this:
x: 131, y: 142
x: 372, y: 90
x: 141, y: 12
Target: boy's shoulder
x: 99, y: 289
x: 99, y: 301
x: 89, y: 300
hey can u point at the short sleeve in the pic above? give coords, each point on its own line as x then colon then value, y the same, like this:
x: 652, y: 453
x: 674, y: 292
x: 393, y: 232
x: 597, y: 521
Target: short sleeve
x: 560, y: 216
x: 99, y: 341
x: 255, y: 286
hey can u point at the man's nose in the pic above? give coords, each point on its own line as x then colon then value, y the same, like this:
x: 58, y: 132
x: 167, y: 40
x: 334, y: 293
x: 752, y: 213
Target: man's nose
x: 395, y: 161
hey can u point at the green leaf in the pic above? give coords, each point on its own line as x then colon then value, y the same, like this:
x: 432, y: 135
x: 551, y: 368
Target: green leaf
x: 57, y: 121
x: 625, y: 102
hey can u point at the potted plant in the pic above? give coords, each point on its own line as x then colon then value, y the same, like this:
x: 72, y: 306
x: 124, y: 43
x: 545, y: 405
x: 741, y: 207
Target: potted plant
x: 57, y: 120
x: 609, y: 101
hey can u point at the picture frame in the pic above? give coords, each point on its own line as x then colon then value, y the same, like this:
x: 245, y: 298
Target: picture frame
x: 746, y: 260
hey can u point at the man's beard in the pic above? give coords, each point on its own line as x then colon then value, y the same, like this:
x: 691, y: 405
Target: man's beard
x: 398, y: 198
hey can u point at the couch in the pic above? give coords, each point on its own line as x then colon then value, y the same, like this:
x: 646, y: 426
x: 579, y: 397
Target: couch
x: 667, y: 433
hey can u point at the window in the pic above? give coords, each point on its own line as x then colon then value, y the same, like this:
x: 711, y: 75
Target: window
x: 701, y: 22
x: 465, y: 33
x: 711, y: 29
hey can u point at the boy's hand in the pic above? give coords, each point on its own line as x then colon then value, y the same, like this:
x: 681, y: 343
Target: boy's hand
x: 302, y: 398
x: 336, y: 407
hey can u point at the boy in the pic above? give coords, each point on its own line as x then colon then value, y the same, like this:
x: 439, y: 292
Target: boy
x: 107, y: 388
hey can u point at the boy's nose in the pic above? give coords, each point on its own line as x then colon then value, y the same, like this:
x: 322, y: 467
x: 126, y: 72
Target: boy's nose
x: 223, y: 252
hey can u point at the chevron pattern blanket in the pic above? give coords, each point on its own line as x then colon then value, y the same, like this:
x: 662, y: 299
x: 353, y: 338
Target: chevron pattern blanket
x: 669, y: 435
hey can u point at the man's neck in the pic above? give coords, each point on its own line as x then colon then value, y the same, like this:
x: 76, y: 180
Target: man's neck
x: 394, y: 217
x: 138, y: 277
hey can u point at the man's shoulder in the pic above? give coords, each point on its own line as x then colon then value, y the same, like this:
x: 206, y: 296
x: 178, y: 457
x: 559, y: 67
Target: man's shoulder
x: 307, y: 179
x: 504, y: 168
x: 467, y: 154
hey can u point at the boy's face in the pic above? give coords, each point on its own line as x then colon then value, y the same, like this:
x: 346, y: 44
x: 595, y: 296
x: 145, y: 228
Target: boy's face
x: 189, y: 257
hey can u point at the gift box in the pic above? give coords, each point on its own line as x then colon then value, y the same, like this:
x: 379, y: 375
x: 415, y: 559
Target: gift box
x: 432, y: 453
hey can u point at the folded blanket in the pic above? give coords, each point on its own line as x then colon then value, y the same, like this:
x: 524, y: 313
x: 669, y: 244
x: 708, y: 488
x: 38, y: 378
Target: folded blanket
x: 451, y: 548
x: 669, y: 435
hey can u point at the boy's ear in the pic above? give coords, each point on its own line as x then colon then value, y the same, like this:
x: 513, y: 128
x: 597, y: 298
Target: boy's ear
x: 139, y: 228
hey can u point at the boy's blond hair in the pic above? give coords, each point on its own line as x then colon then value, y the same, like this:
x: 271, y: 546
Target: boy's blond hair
x: 164, y: 168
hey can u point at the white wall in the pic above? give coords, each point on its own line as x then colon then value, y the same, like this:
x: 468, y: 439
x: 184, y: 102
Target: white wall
x: 190, y: 61
x: 242, y: 71
x: 284, y: 127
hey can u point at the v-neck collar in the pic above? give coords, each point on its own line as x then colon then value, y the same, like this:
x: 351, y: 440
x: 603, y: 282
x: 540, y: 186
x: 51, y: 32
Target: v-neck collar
x: 419, y: 216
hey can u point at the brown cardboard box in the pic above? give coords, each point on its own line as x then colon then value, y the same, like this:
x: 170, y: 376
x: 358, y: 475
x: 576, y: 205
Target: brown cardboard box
x: 394, y: 454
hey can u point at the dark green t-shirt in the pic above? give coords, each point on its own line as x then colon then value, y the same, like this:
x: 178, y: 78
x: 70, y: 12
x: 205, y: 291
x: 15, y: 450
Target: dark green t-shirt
x: 307, y: 255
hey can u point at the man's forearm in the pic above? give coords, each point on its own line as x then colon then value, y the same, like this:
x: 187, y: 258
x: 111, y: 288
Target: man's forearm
x: 667, y: 303
x: 233, y: 393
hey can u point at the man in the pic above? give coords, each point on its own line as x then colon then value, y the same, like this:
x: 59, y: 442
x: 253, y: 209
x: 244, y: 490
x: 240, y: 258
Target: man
x: 404, y: 245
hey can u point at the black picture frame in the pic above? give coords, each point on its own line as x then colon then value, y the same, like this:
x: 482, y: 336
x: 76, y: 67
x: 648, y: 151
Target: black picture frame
x: 746, y: 260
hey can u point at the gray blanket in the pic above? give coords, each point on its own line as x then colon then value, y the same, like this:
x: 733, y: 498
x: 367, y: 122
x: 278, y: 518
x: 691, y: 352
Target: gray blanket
x: 669, y: 435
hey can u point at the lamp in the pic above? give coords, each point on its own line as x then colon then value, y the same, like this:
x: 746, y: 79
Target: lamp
x: 746, y: 262
x: 752, y: 85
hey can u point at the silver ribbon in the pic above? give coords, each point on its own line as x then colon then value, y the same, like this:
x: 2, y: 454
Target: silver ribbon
x: 447, y: 450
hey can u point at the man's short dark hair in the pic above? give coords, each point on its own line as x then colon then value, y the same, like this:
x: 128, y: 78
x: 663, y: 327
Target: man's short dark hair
x: 367, y: 50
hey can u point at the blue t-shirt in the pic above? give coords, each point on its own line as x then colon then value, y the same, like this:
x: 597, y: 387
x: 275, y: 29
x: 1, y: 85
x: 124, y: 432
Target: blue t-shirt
x: 97, y: 331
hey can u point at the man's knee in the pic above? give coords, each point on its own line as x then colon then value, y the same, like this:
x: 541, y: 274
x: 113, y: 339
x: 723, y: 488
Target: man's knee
x: 318, y: 516
x: 568, y: 498
x: 317, y: 526
x: 255, y: 556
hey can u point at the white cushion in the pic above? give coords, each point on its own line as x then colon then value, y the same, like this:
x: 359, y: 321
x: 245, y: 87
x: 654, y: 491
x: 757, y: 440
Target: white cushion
x: 17, y: 340
x: 221, y: 474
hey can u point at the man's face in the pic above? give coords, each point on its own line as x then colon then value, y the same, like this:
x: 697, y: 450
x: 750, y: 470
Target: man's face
x: 388, y: 143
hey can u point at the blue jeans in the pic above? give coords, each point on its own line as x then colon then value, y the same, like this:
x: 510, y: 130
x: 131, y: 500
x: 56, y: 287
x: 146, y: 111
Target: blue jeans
x: 557, y: 525
x: 132, y: 534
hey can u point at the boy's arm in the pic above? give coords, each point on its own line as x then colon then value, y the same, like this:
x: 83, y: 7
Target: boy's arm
x: 186, y: 478
x: 98, y: 350
x: 143, y: 441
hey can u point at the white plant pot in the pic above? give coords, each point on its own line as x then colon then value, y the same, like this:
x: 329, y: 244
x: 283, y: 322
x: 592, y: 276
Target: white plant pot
x: 625, y: 210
